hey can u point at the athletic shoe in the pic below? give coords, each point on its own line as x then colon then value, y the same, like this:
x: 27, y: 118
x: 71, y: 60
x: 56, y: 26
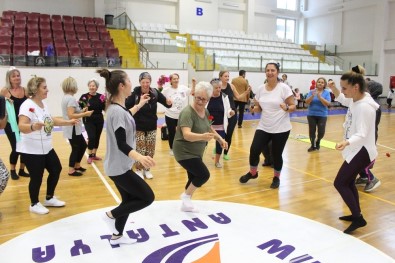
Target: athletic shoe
x: 122, y: 240
x: 226, y: 157
x: 185, y: 208
x: 311, y: 149
x: 218, y: 165
x: 23, y: 173
x: 14, y: 175
x: 171, y: 153
x: 369, y: 187
x: 244, y: 179
x: 90, y: 160
x: 75, y: 173
x: 140, y: 173
x: 148, y: 174
x: 54, y: 202
x: 275, y: 183
x: 361, y: 181
x: 95, y: 158
x: 38, y: 209
x: 80, y: 169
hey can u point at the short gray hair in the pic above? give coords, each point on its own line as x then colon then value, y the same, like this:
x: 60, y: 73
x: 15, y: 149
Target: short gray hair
x: 95, y: 81
x: 204, y: 86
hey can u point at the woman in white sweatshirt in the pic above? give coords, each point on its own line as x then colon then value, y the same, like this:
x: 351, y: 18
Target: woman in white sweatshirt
x: 358, y: 145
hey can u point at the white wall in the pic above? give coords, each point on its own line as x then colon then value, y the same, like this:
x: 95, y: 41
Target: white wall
x: 231, y: 20
x: 55, y: 76
x: 188, y: 20
x: 152, y: 11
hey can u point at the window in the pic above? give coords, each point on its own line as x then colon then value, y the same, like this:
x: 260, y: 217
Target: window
x: 286, y: 29
x: 287, y: 4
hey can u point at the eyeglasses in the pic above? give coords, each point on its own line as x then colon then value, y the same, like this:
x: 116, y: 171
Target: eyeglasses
x: 216, y: 80
x: 201, y: 99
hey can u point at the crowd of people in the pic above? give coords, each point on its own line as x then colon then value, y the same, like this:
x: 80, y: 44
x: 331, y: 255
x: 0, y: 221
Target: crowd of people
x: 215, y: 109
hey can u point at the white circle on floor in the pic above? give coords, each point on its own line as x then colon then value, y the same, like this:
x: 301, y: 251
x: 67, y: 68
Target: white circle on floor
x: 220, y: 232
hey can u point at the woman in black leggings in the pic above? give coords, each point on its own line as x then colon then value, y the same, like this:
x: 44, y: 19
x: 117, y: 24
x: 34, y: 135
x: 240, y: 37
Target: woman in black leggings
x: 275, y: 100
x: 93, y: 124
x: 17, y: 94
x: 358, y: 145
x: 121, y: 154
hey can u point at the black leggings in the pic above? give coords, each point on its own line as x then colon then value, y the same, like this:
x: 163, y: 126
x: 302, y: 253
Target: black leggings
x: 366, y: 173
x: 316, y: 123
x: 94, y: 130
x: 262, y: 138
x: 241, y: 105
x: 12, y: 139
x: 171, y: 127
x: 78, y: 147
x: 197, y: 171
x: 136, y: 194
x: 232, y: 121
x: 36, y: 164
x: 345, y: 180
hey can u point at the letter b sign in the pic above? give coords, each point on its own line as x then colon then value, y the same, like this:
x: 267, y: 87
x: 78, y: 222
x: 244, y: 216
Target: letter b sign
x: 199, y: 11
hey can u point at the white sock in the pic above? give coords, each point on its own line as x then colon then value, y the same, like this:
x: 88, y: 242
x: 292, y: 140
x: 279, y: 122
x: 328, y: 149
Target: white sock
x: 110, y: 223
x: 122, y: 240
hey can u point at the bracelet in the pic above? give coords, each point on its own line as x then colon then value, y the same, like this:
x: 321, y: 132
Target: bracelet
x: 31, y: 127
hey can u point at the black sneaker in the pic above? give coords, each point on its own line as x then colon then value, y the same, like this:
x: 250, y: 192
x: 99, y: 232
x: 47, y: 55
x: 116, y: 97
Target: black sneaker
x: 75, y: 173
x: 14, y: 176
x: 80, y: 169
x: 244, y: 179
x: 311, y: 149
x: 23, y: 173
x: 275, y: 183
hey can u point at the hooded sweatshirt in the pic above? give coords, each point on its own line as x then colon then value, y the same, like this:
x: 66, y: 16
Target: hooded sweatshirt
x: 359, y: 126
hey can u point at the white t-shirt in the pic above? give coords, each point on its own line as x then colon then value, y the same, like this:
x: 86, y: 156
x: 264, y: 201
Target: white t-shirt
x: 179, y: 98
x: 69, y: 101
x: 359, y: 126
x: 273, y: 118
x: 37, y: 142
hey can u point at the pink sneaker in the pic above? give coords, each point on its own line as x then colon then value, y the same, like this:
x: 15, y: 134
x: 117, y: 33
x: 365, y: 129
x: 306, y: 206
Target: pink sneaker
x: 89, y: 161
x: 95, y: 158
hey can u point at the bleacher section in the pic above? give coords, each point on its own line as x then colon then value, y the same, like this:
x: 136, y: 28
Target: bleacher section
x: 156, y: 36
x: 234, y: 49
x: 55, y: 40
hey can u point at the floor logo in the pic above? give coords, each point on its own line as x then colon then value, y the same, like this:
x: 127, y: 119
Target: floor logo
x: 220, y: 233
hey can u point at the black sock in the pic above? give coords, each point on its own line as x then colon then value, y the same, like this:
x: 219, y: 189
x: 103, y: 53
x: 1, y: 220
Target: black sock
x: 48, y: 197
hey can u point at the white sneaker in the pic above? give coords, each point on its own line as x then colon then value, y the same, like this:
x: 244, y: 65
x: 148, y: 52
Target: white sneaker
x: 140, y: 173
x: 122, y: 240
x: 171, y: 153
x: 218, y: 165
x: 148, y: 174
x: 54, y: 202
x: 185, y: 208
x: 38, y: 209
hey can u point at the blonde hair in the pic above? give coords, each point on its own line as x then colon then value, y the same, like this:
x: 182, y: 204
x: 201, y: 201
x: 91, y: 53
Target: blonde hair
x: 33, y: 85
x: 69, y: 85
x: 8, y: 75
